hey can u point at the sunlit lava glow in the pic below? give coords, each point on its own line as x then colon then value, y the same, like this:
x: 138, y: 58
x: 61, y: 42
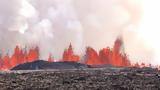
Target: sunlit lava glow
x: 149, y: 27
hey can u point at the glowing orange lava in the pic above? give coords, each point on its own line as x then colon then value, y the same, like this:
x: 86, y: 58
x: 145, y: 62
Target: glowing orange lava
x: 19, y: 56
x: 108, y: 56
x: 69, y: 55
x: 114, y: 56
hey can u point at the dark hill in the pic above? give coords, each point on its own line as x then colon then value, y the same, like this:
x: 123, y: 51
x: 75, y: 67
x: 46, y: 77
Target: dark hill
x: 41, y: 64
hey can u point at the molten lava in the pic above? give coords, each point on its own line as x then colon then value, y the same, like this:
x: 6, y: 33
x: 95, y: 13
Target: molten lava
x: 92, y: 57
x: 108, y: 56
x: 69, y: 55
x: 50, y: 58
x: 114, y: 56
x: 19, y: 56
x: 33, y: 55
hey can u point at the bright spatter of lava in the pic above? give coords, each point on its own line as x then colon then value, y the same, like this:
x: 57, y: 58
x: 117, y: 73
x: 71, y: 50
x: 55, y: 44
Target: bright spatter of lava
x: 108, y: 56
x: 69, y: 55
x: 114, y: 56
x: 18, y: 57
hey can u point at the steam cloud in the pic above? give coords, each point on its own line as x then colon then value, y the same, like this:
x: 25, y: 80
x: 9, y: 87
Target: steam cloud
x: 53, y: 24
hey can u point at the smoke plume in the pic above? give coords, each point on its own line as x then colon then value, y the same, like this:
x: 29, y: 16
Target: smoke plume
x: 53, y: 24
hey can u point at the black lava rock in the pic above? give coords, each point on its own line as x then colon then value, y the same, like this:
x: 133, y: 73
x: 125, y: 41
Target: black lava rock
x: 41, y: 64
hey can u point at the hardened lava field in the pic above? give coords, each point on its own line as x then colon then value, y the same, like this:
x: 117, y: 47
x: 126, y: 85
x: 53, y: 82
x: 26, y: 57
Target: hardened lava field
x: 109, y: 78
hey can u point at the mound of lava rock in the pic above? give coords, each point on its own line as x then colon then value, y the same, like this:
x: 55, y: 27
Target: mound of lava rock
x: 41, y: 64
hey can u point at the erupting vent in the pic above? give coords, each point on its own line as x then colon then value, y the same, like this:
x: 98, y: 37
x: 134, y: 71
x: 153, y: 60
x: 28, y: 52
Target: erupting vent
x: 108, y: 56
x: 114, y: 56
x: 19, y: 56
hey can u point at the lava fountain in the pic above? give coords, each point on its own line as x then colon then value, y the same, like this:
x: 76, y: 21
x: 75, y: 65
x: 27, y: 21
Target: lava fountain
x: 115, y: 56
x: 148, y: 29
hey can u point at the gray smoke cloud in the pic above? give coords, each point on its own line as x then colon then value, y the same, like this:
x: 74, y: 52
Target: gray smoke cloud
x: 53, y: 24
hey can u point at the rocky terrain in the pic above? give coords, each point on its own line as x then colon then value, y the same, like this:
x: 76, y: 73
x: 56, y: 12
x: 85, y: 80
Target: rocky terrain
x: 82, y: 79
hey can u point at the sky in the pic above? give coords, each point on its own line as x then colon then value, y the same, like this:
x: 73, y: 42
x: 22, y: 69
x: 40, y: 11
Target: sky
x: 53, y: 24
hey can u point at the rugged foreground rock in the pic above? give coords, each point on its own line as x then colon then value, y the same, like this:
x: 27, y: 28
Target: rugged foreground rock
x: 85, y: 79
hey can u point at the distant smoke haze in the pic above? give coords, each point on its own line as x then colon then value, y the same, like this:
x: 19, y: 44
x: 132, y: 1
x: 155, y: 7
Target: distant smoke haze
x: 53, y: 24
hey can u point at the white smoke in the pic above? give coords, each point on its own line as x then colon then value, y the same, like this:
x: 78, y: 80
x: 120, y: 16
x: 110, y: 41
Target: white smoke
x: 53, y: 24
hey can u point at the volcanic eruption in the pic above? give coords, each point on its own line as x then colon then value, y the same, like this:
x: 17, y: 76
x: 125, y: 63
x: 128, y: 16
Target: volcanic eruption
x: 115, y: 56
x: 79, y: 44
x: 46, y: 29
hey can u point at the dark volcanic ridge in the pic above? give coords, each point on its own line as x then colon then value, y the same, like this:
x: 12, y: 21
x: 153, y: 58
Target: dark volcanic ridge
x: 41, y: 65
x: 45, y: 65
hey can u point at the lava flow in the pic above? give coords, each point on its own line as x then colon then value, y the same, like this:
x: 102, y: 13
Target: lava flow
x: 114, y: 56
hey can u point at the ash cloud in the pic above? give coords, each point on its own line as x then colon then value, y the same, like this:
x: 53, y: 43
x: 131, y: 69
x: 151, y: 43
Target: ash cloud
x: 53, y: 24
